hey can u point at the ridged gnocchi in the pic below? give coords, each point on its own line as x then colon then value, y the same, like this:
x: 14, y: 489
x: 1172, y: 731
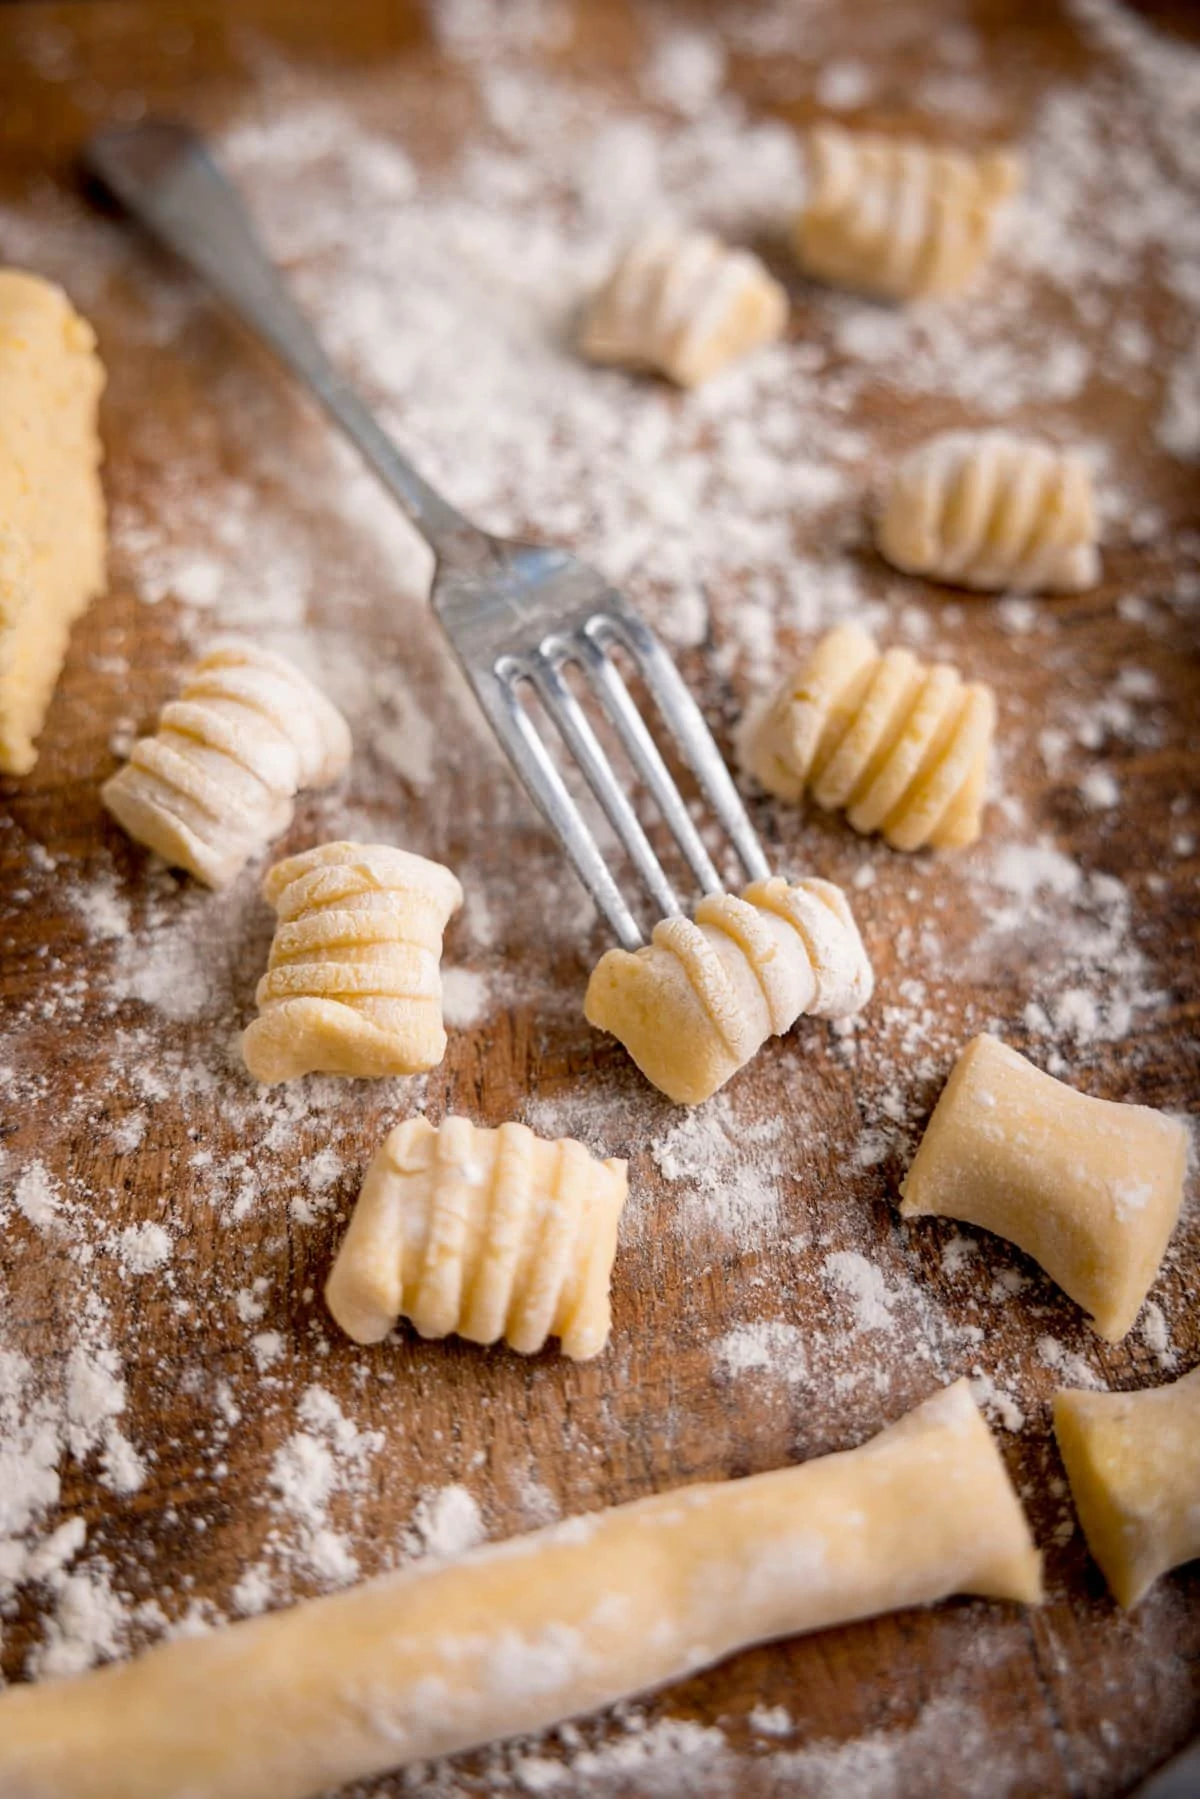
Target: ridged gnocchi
x: 898, y: 217
x: 354, y: 983
x: 486, y: 1234
x: 698, y: 1001
x: 994, y: 512
x: 902, y: 747
x: 218, y: 779
x: 684, y: 304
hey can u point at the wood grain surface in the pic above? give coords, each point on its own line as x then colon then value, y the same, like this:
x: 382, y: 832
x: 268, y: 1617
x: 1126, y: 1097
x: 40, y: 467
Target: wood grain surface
x: 969, y: 1698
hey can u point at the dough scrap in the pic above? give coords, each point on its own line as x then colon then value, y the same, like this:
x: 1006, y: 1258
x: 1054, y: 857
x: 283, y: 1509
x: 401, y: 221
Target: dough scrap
x: 992, y: 511
x: 1133, y: 1460
x: 898, y: 217
x: 52, y: 526
x: 483, y: 1233
x: 519, y: 1636
x: 901, y: 746
x: 1090, y: 1189
x: 697, y: 1002
x: 353, y: 985
x: 218, y: 779
x: 684, y: 304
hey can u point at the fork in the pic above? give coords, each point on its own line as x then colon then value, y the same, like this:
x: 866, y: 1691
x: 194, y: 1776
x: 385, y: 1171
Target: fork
x: 515, y: 613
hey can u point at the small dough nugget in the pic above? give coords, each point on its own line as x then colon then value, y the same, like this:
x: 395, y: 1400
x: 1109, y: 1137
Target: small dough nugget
x: 354, y: 982
x: 994, y: 512
x: 1088, y: 1188
x: 684, y: 304
x: 897, y: 217
x: 488, y: 1234
x: 1134, y: 1465
x: 900, y: 745
x: 219, y: 778
x: 522, y: 1635
x: 701, y: 998
x: 52, y: 534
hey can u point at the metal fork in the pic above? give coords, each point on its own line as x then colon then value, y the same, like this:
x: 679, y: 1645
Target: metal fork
x: 514, y: 613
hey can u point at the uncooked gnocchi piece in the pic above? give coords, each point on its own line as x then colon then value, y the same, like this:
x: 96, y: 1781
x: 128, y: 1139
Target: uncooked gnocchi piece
x: 1088, y: 1188
x: 991, y: 511
x: 898, y: 217
x: 901, y: 746
x: 219, y: 778
x: 684, y: 304
x: 1134, y: 1464
x: 440, y: 1657
x: 354, y: 982
x: 52, y: 537
x: 694, y: 1004
x: 486, y: 1234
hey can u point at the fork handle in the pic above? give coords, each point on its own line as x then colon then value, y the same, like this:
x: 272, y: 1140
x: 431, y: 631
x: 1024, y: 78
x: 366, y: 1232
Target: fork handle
x: 162, y: 173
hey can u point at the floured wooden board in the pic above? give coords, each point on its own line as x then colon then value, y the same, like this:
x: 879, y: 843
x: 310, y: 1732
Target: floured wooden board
x: 184, y: 1435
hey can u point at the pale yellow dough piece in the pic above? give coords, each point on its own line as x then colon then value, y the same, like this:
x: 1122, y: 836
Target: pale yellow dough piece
x: 354, y: 982
x: 1088, y: 1188
x: 899, y: 745
x: 701, y: 998
x: 518, y: 1637
x: 1134, y: 1466
x: 994, y: 512
x: 219, y: 778
x: 684, y: 304
x: 897, y: 217
x: 52, y: 535
x: 486, y: 1234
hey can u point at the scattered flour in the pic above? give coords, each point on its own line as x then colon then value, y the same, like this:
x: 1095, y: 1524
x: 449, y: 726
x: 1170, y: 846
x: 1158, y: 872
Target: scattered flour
x: 771, y: 1346
x: 446, y: 1524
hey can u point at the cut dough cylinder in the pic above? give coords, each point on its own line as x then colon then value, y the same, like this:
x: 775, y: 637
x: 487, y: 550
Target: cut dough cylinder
x: 354, y: 982
x: 1089, y: 1188
x: 988, y: 510
x: 899, y: 745
x: 52, y: 531
x: 218, y: 779
x: 520, y: 1636
x: 898, y: 217
x: 1134, y: 1464
x: 684, y: 304
x: 486, y: 1234
x: 700, y: 999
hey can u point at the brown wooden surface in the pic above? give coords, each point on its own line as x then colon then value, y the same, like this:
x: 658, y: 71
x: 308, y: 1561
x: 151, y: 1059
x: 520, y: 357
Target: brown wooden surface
x: 969, y: 1698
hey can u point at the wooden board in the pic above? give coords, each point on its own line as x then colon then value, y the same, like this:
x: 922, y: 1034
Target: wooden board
x: 768, y: 1304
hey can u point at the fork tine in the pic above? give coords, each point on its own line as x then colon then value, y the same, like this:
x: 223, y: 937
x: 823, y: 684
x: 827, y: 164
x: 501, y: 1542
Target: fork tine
x: 643, y: 752
x: 619, y: 622
x: 581, y: 740
x: 544, y: 785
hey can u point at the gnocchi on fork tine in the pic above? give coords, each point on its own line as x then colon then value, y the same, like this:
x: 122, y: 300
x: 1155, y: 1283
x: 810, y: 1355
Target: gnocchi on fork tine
x: 516, y: 614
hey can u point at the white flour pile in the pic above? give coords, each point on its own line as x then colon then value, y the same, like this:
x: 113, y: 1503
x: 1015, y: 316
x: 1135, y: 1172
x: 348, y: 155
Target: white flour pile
x: 735, y: 518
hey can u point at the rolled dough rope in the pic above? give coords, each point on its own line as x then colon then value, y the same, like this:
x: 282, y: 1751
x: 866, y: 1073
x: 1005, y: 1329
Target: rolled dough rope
x: 685, y: 304
x: 488, y: 1234
x: 52, y: 536
x: 1134, y: 1464
x: 354, y: 981
x: 901, y: 746
x: 701, y: 998
x: 520, y: 1636
x: 1090, y: 1189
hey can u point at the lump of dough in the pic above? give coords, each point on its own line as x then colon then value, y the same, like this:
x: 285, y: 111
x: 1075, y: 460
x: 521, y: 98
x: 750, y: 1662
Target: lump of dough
x: 699, y: 999
x: 521, y: 1635
x: 1133, y: 1460
x: 487, y: 1234
x: 1088, y: 1188
x: 354, y: 984
x: 52, y: 531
